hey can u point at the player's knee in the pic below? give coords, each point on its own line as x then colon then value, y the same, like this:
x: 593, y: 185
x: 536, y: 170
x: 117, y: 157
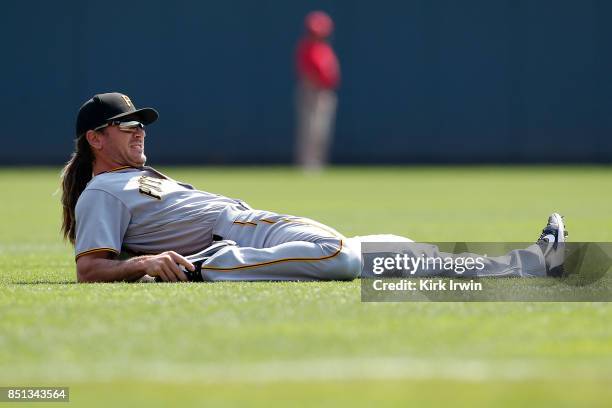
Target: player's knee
x: 348, y: 264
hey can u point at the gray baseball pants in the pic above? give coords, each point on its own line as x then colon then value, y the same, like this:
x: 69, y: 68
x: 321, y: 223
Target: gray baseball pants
x: 274, y: 247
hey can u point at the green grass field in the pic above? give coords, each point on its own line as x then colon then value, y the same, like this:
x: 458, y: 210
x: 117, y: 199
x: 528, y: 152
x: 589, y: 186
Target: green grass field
x: 300, y: 344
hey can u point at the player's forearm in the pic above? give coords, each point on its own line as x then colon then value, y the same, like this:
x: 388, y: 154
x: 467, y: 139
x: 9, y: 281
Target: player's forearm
x: 110, y: 270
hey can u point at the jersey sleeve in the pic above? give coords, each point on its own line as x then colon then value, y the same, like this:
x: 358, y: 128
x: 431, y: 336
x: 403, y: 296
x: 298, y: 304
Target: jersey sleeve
x: 101, y: 222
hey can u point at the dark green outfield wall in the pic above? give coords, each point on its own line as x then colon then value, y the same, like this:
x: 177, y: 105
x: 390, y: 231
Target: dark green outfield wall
x: 427, y: 80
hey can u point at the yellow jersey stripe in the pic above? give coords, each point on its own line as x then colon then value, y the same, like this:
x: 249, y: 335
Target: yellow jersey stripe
x: 91, y: 251
x: 245, y: 223
x: 268, y: 221
x: 119, y: 168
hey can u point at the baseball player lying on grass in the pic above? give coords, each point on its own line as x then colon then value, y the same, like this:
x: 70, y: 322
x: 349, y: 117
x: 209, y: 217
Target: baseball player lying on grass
x: 112, y: 202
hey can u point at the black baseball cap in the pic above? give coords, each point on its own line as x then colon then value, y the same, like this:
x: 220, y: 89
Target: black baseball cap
x: 106, y: 107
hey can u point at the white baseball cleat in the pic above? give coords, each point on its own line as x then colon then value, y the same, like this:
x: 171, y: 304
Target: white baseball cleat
x: 551, y: 242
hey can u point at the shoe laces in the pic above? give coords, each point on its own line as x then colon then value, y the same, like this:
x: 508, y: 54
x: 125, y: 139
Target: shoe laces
x: 546, y: 232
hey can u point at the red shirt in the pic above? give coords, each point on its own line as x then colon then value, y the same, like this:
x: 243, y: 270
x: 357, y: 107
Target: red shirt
x: 316, y: 61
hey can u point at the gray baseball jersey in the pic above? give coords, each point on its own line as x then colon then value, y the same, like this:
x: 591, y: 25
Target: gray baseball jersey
x: 142, y: 211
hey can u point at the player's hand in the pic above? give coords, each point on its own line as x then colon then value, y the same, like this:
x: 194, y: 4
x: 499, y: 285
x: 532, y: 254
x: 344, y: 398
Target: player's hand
x: 166, y: 266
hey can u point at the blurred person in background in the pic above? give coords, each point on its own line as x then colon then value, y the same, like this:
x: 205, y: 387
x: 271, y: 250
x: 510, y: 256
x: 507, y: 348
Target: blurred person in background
x: 318, y: 78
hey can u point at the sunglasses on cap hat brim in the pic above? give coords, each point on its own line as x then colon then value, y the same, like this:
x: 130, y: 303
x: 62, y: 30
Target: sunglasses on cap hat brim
x: 129, y: 126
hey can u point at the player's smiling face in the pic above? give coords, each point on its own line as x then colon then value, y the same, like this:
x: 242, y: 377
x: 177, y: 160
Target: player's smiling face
x: 124, y: 148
